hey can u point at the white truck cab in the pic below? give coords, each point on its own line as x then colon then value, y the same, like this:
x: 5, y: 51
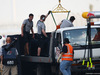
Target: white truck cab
x: 77, y: 37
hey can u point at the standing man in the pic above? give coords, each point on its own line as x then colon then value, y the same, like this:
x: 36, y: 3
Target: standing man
x: 41, y: 32
x: 25, y: 31
x: 67, y: 58
x: 9, y: 58
x: 67, y: 23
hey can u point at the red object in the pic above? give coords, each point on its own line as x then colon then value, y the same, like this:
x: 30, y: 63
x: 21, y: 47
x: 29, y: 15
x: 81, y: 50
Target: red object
x: 97, y: 37
x: 10, y: 52
x: 90, y: 14
x: 57, y: 27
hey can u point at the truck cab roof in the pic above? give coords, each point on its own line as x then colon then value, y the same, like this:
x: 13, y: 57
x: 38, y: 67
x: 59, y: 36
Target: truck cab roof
x: 71, y: 28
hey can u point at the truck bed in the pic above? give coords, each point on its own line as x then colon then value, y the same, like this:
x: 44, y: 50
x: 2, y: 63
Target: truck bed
x: 33, y: 45
x: 36, y: 59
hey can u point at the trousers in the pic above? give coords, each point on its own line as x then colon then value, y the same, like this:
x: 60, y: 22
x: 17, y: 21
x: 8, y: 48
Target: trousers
x: 6, y: 70
x: 65, y: 67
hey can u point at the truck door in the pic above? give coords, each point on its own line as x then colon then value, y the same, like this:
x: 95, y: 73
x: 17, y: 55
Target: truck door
x: 58, y: 46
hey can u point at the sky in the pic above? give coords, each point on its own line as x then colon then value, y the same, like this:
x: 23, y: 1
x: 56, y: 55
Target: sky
x: 13, y: 12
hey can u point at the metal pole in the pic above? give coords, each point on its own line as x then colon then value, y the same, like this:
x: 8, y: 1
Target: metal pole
x: 89, y: 44
x: 88, y: 31
x: 68, y: 15
x: 53, y: 19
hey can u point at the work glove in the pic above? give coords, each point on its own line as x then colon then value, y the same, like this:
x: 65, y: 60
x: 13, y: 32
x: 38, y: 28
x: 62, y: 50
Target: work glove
x: 59, y: 58
x: 49, y: 12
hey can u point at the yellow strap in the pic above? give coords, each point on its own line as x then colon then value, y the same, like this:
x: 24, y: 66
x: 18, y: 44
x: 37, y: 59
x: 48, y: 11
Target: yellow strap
x: 87, y: 64
x: 91, y: 65
x: 83, y: 62
x: 90, y: 60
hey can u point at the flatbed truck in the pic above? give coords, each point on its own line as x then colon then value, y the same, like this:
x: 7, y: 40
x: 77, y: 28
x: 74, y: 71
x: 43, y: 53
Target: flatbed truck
x: 46, y: 63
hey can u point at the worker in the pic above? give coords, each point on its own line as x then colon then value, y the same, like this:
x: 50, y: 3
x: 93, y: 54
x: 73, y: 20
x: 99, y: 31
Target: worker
x: 67, y: 23
x: 9, y: 58
x: 25, y: 32
x: 41, y: 32
x: 66, y: 57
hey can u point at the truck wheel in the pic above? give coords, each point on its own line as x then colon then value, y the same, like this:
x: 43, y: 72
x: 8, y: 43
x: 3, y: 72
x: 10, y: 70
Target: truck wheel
x: 43, y: 69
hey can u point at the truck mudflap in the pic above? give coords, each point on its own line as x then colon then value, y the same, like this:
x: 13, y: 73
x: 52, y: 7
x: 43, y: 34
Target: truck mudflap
x: 36, y: 59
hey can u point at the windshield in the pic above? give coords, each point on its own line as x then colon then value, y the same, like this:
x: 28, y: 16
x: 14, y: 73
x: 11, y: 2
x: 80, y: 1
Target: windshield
x: 78, y: 36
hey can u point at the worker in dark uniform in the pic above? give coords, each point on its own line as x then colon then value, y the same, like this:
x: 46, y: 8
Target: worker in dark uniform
x: 9, y: 58
x: 41, y: 32
x: 66, y: 57
x: 27, y: 26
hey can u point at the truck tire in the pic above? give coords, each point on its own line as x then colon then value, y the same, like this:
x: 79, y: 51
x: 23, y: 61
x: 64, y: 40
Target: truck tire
x: 44, y: 69
x: 39, y: 70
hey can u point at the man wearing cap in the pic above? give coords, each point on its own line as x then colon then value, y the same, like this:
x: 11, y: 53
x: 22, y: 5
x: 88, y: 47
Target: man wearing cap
x: 66, y: 57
